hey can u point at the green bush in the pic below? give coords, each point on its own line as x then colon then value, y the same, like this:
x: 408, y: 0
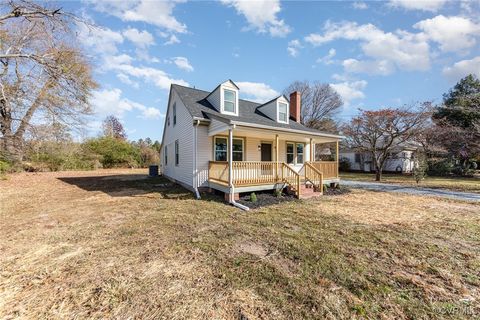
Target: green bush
x: 440, y: 167
x: 344, y: 164
x: 4, y: 166
x: 113, y: 152
x: 253, y: 197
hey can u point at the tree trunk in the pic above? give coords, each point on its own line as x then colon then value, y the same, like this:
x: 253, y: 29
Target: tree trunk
x: 11, y: 149
x: 378, y: 174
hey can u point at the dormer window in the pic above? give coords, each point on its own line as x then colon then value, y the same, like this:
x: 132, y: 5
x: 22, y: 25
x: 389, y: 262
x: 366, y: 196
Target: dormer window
x: 282, y: 112
x: 229, y: 101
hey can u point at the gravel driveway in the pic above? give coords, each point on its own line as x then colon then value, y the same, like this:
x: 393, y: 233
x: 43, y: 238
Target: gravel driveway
x: 376, y: 186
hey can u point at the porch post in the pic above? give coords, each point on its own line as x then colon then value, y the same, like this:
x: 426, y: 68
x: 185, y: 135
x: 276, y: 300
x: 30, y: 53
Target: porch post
x: 230, y: 157
x: 276, y: 156
x: 337, y: 157
x: 312, y: 155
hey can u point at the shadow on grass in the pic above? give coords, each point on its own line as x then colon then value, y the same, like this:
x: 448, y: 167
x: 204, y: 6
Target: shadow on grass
x: 130, y: 185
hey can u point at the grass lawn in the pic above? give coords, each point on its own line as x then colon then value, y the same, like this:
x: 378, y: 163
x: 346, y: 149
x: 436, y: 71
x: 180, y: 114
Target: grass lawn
x: 454, y: 183
x: 110, y: 244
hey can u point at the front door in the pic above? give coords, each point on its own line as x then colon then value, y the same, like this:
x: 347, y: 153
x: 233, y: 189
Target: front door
x: 266, y: 150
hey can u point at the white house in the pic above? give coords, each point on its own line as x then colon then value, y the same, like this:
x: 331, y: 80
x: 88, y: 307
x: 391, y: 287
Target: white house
x: 400, y: 160
x: 216, y: 140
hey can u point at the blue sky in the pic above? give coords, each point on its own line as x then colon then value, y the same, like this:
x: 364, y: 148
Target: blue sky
x: 375, y: 54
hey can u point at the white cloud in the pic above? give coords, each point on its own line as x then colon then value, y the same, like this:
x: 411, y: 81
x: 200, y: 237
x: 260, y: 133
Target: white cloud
x: 261, y: 15
x: 350, y: 90
x: 172, y: 40
x: 182, y: 63
x: 148, y: 74
x: 294, y: 47
x: 424, y: 5
x: 359, y: 5
x: 381, y: 67
x: 110, y: 102
x: 141, y: 39
x: 126, y: 79
x: 463, y: 68
x: 158, y: 13
x: 328, y: 58
x: 99, y: 40
x: 452, y: 33
x: 405, y: 50
x: 257, y: 91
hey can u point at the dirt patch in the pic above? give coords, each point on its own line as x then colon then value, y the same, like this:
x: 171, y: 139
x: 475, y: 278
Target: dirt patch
x: 336, y: 191
x: 253, y: 248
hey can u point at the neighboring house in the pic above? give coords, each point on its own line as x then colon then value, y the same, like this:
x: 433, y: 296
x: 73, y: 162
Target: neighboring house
x: 400, y: 160
x: 216, y: 140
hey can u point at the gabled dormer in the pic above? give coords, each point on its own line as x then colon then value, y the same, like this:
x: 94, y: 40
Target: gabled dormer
x: 276, y: 109
x: 225, y: 98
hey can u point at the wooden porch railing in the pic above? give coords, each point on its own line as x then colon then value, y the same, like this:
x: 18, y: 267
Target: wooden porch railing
x: 314, y: 176
x: 329, y: 169
x: 291, y: 177
x: 254, y: 172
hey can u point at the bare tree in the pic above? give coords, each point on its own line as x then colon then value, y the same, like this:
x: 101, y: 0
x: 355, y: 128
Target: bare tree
x: 380, y: 132
x: 44, y: 76
x: 319, y: 102
x: 112, y: 127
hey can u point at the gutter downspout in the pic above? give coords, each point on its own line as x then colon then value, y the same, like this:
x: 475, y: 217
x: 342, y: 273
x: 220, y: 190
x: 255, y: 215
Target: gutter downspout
x: 231, y: 197
x: 195, y: 169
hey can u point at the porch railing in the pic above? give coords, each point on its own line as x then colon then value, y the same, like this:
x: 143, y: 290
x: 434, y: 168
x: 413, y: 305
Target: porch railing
x: 291, y: 177
x: 329, y: 169
x: 314, y: 176
x: 254, y: 172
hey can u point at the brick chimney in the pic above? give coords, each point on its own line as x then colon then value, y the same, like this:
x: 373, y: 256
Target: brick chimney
x: 295, y: 106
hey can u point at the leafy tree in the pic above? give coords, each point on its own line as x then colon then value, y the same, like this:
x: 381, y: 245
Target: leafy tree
x: 112, y: 127
x: 42, y: 72
x: 319, y: 103
x: 458, y: 122
x: 380, y: 132
x: 157, y: 146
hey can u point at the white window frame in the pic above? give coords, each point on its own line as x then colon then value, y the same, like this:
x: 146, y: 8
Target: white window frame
x: 228, y: 147
x: 235, y: 102
x: 295, y: 153
x: 278, y: 112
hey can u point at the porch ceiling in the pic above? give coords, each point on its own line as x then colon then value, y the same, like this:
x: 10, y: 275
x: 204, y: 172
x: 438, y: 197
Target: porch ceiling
x: 268, y: 134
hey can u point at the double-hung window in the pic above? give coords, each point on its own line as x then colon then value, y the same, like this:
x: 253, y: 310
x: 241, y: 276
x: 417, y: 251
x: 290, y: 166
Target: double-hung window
x: 282, y: 112
x: 177, y: 157
x: 229, y: 101
x: 221, y: 149
x: 166, y: 155
x: 295, y: 153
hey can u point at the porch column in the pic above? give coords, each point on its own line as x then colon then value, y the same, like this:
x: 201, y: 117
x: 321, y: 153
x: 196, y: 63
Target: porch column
x: 230, y: 157
x: 337, y: 157
x: 276, y: 156
x: 312, y: 154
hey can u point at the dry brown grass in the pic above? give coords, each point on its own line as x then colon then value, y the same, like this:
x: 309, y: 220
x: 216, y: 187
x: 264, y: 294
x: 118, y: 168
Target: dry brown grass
x: 112, y: 244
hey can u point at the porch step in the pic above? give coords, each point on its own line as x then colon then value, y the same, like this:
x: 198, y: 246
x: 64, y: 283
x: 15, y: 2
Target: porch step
x: 307, y: 192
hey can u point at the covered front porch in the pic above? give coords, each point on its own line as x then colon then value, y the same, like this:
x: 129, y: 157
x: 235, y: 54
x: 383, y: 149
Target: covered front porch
x: 262, y: 159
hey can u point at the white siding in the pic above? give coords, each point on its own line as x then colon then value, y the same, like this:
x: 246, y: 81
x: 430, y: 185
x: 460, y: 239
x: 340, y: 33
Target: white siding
x: 204, y: 155
x: 183, y: 132
x: 217, y: 127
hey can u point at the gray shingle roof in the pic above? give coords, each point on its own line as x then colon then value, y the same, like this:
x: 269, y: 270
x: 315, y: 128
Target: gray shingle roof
x: 198, y: 106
